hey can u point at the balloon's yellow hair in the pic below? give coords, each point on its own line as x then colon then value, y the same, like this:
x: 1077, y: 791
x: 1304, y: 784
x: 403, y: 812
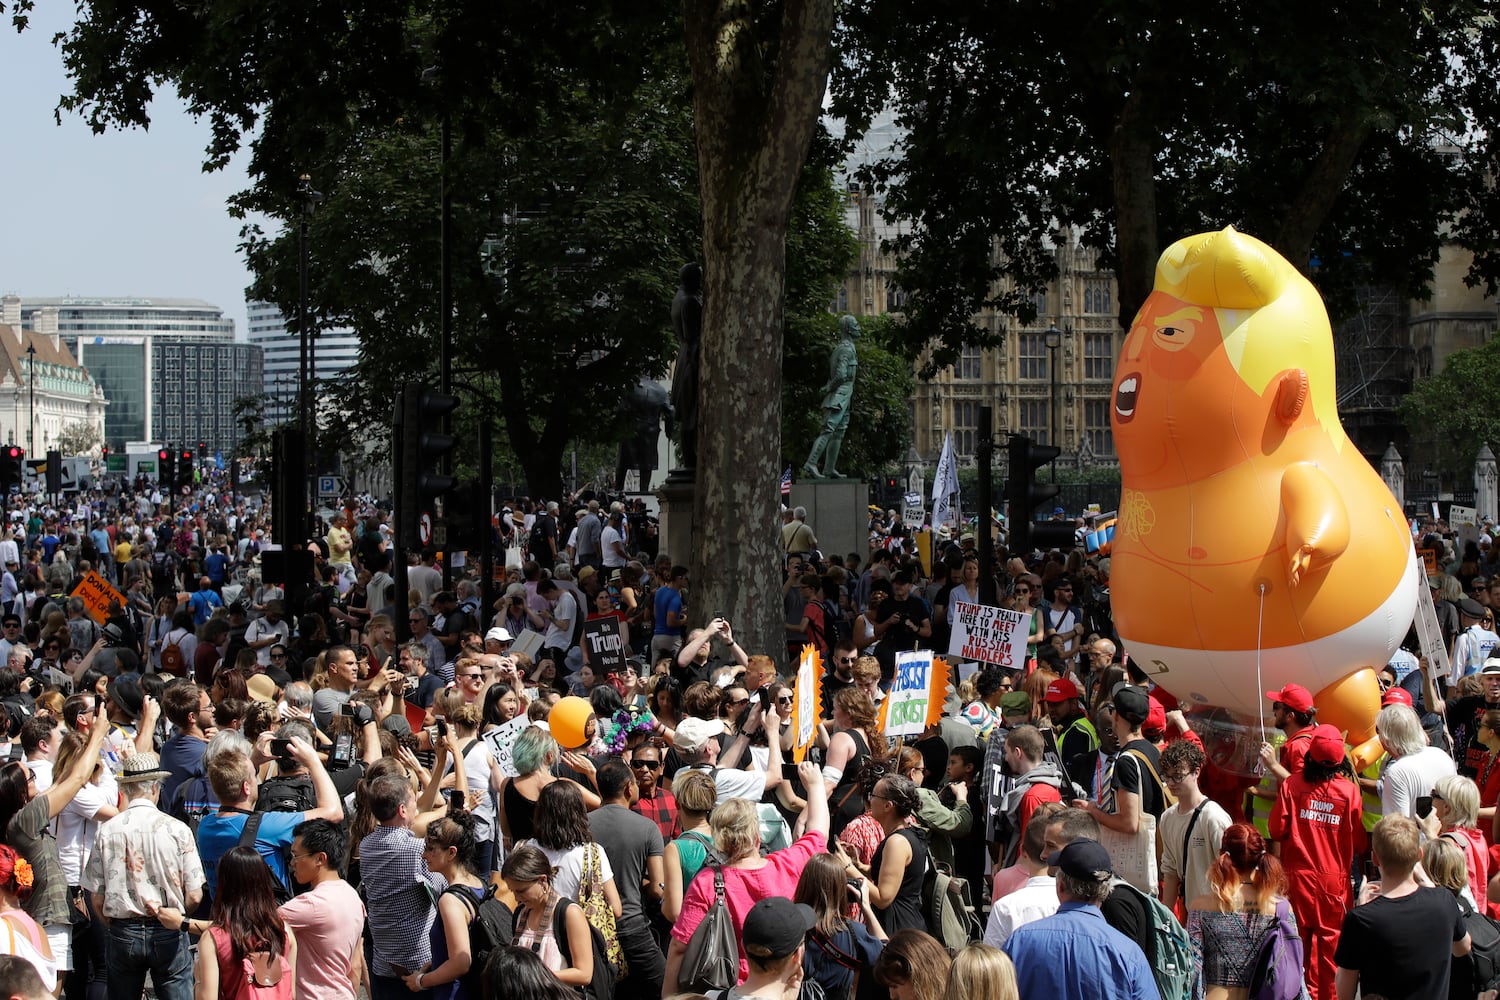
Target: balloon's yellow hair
x: 1271, y: 316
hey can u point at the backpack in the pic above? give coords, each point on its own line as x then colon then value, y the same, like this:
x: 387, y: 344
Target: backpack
x: 945, y: 906
x: 172, y: 659
x: 1277, y: 965
x: 1173, y: 970
x: 712, y: 958
x: 286, y: 795
x: 824, y: 635
x: 491, y: 926
x: 1484, y: 951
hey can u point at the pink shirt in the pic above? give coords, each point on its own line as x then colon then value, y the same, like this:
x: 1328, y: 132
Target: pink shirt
x: 743, y: 889
x: 328, y: 921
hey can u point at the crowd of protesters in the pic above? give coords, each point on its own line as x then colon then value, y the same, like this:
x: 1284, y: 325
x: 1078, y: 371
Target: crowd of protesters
x: 212, y: 794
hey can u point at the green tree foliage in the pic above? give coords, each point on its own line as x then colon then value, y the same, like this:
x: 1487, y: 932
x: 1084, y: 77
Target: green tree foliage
x: 1328, y: 130
x: 1458, y: 409
x: 566, y: 244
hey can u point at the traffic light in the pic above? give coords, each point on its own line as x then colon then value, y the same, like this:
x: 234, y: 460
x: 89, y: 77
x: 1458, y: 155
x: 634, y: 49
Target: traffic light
x: 164, y: 466
x: 185, y: 468
x: 1024, y: 494
x: 54, y: 472
x: 420, y: 451
x: 12, y: 461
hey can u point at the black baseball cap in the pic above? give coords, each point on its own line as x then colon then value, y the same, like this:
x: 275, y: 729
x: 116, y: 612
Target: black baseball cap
x: 1083, y: 859
x: 1132, y: 703
x: 776, y: 926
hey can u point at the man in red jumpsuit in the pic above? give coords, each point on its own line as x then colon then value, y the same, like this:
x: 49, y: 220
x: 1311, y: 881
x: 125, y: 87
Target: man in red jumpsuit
x: 1317, y: 821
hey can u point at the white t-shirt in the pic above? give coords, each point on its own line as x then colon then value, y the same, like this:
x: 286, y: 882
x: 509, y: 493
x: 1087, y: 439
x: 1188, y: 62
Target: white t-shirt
x: 569, y: 867
x: 1036, y: 900
x: 77, y: 829
x: 261, y: 628
x: 566, y: 610
x: 1407, y: 779
x: 1203, y: 848
x: 612, y: 559
x: 732, y: 783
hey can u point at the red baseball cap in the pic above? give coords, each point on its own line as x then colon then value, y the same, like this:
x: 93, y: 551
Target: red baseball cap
x: 1327, y: 747
x: 1061, y: 689
x: 1156, y: 719
x: 1293, y: 696
x: 1396, y: 696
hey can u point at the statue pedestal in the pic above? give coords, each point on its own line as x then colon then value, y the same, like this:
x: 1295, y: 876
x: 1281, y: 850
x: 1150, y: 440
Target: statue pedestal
x: 838, y: 513
x: 675, y: 514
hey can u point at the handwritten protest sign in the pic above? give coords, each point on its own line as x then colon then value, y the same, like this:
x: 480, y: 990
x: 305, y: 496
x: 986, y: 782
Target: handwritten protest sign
x: 603, y: 646
x: 97, y: 592
x: 501, y: 741
x: 806, y: 702
x: 915, y: 700
x: 990, y: 635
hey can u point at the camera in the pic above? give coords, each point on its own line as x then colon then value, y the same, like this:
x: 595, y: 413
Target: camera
x: 281, y: 748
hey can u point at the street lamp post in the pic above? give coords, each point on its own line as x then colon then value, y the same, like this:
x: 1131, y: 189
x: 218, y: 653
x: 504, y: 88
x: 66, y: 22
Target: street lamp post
x: 31, y: 430
x: 1053, y: 339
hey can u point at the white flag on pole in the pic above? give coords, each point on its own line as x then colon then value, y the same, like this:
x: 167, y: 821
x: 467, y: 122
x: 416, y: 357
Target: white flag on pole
x: 945, y: 486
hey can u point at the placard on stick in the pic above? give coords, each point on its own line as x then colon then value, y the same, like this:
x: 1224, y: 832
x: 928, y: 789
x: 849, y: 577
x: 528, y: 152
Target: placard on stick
x: 989, y: 634
x: 807, y: 697
x: 915, y: 700
x: 603, y: 646
x: 96, y: 593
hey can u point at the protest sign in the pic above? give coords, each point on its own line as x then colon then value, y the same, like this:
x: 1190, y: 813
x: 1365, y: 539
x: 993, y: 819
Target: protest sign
x: 989, y: 634
x: 603, y: 646
x: 1430, y: 635
x: 806, y: 703
x: 915, y: 700
x: 501, y: 740
x: 96, y: 593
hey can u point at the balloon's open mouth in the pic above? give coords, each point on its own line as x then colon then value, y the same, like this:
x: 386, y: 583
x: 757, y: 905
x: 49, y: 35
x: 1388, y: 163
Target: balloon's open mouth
x: 1125, y: 395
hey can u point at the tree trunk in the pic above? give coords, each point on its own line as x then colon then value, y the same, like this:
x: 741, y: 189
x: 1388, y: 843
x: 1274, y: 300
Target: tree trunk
x: 1320, y: 189
x: 1132, y: 159
x: 754, y: 121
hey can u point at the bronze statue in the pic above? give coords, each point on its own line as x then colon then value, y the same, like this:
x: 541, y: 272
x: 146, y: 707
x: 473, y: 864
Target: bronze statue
x: 838, y: 396
x: 687, y: 320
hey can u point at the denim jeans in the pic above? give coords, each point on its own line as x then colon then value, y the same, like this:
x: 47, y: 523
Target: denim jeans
x: 137, y: 947
x: 643, y: 956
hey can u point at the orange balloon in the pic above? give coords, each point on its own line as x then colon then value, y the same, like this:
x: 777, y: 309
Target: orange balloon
x: 1250, y: 528
x: 569, y: 720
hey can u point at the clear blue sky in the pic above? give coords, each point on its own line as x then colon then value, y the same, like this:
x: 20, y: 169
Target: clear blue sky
x: 123, y: 213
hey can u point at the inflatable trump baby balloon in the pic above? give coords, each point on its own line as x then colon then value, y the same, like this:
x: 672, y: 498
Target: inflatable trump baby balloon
x: 1255, y: 545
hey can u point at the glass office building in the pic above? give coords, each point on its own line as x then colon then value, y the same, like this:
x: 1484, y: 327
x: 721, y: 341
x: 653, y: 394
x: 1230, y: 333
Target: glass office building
x: 170, y: 368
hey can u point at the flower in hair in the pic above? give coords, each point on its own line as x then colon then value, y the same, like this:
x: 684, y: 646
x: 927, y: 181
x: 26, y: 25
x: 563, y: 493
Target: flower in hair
x: 23, y: 874
x: 623, y: 723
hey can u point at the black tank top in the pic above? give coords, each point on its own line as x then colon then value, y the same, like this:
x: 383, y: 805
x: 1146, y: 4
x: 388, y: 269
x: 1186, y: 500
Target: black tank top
x: 519, y: 813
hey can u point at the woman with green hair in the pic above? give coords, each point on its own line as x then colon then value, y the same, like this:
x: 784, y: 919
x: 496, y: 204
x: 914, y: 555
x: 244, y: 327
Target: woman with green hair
x: 533, y: 755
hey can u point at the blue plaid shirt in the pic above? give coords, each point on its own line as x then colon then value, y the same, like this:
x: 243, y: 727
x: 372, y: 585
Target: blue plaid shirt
x: 399, y: 897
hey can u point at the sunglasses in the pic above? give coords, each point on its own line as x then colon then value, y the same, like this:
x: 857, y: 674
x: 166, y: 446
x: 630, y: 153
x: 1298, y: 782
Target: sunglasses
x: 649, y: 765
x: 848, y: 659
x: 783, y: 701
x: 738, y: 702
